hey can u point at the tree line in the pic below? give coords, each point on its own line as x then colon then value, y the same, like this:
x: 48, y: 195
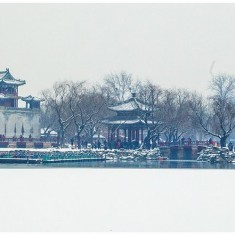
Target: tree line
x: 76, y: 109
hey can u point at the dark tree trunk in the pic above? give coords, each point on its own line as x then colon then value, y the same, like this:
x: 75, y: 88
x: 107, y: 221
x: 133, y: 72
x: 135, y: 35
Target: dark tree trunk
x: 62, y: 139
x: 223, y: 141
x: 147, y: 141
x: 78, y: 141
x: 90, y: 138
x: 154, y: 145
x: 58, y: 138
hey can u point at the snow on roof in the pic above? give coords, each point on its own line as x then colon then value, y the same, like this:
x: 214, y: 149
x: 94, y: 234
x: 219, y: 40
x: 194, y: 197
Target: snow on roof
x: 6, y: 77
x: 31, y: 98
x: 130, y: 105
x: 123, y: 122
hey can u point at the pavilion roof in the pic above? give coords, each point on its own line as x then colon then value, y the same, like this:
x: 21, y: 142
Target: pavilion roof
x: 131, y: 104
x: 124, y: 122
x: 7, y: 78
x: 31, y: 98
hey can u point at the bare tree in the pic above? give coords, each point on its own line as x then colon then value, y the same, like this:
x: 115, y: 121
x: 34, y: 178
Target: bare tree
x: 151, y: 95
x: 119, y: 85
x: 48, y: 118
x: 175, y: 113
x: 85, y: 106
x: 56, y: 99
x: 97, y: 108
x: 77, y: 91
x: 217, y: 115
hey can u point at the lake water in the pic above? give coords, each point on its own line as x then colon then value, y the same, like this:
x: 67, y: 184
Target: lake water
x: 172, y: 164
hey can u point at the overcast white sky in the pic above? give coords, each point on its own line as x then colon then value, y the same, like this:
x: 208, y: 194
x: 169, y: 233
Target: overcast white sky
x: 173, y: 45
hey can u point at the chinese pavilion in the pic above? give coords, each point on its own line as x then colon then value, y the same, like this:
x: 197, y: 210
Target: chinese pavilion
x: 32, y: 102
x: 128, y: 120
x: 12, y: 118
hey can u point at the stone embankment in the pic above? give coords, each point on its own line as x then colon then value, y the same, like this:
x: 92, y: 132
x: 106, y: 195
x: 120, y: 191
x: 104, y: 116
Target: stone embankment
x: 37, y: 156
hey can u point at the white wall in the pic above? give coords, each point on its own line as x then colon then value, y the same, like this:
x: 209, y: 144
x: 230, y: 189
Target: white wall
x: 30, y: 118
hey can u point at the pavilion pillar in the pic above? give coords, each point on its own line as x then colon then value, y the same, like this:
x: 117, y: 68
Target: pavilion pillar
x: 117, y: 134
x: 137, y: 136
x: 142, y: 135
x: 125, y: 134
x: 133, y: 135
x: 129, y: 134
x: 112, y: 134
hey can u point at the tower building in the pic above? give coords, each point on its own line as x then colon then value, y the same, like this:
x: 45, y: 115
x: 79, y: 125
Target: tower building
x: 14, y: 120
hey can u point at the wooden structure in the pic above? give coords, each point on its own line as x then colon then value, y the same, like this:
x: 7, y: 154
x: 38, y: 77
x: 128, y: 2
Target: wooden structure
x: 128, y: 124
x: 32, y: 102
x: 9, y: 89
x: 16, y: 121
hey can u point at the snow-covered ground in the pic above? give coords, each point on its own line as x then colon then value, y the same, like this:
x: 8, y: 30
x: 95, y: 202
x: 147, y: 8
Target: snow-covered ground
x: 118, y: 200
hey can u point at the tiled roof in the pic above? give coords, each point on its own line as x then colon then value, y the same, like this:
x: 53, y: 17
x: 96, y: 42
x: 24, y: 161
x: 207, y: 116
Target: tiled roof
x: 30, y: 98
x: 113, y: 121
x: 6, y: 77
x: 123, y: 121
x: 130, y: 105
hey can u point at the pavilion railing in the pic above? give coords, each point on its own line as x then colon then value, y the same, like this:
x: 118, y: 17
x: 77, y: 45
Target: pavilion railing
x: 188, y: 143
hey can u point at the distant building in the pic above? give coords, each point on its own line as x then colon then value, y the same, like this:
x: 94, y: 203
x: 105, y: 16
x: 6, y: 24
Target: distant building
x: 15, y: 121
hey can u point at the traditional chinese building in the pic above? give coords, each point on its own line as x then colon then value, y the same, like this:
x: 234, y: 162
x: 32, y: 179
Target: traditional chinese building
x: 128, y: 123
x: 16, y: 121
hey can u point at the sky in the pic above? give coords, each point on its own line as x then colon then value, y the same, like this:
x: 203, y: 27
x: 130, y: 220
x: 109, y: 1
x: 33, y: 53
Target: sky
x: 172, y: 45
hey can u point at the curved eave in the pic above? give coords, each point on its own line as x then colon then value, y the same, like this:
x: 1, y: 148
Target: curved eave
x: 126, y: 122
x: 123, y: 122
x: 123, y: 110
x: 129, y: 109
x: 27, y: 99
x: 7, y: 78
x: 14, y: 82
